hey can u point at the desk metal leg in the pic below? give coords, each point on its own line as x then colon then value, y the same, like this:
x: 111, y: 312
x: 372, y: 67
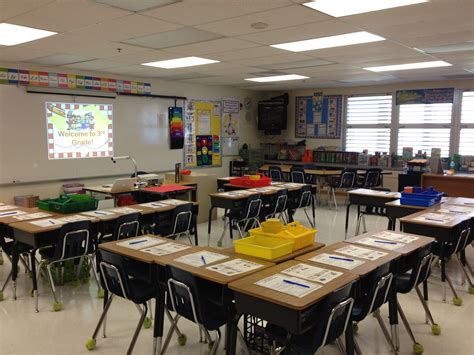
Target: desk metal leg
x: 349, y: 338
x: 195, y: 226
x: 15, y: 259
x: 209, y: 223
x: 443, y: 271
x: 348, y: 208
x: 33, y: 276
x: 159, y: 320
x: 313, y: 208
x: 231, y: 335
x: 393, y: 317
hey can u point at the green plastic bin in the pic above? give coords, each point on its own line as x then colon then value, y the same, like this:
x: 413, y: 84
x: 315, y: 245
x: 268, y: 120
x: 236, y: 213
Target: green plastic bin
x: 69, y: 204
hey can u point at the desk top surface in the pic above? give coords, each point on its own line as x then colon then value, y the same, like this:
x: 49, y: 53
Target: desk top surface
x: 284, y: 258
x: 431, y: 217
x: 447, y: 176
x: 377, y: 194
x: 462, y: 201
x: 107, y: 190
x: 49, y: 224
x: 403, y: 248
x: 17, y: 214
x: 397, y: 204
x: 248, y: 286
x: 366, y: 267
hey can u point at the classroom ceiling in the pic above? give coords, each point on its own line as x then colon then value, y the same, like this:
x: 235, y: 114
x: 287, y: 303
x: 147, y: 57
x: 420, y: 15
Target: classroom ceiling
x: 116, y: 36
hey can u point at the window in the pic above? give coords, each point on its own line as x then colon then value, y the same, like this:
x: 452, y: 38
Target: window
x: 368, y: 123
x: 425, y: 126
x: 466, y: 138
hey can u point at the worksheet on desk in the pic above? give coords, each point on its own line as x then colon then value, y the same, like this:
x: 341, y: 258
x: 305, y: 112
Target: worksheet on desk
x: 140, y: 243
x: 337, y: 261
x: 380, y: 243
x: 124, y: 210
x: 234, y: 267
x: 456, y: 209
x: 7, y: 207
x: 201, y: 258
x: 288, y: 284
x: 363, y: 253
x: 98, y: 213
x: 26, y: 217
x: 174, y: 202
x: 438, y: 218
x: 395, y: 237
x: 11, y: 213
x: 47, y: 222
x: 154, y: 205
x: 75, y: 218
x: 312, y: 273
x: 165, y: 249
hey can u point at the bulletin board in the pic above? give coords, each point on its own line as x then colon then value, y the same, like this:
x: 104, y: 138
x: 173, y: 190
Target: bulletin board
x: 231, y: 126
x: 318, y: 116
x: 202, y: 134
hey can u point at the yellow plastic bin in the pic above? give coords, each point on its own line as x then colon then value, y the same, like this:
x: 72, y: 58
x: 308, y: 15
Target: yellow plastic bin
x: 295, y: 231
x: 263, y: 247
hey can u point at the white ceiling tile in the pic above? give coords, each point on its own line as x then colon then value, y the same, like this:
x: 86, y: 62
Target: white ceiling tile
x: 136, y: 5
x: 440, y: 39
x: 301, y: 32
x: 65, y: 43
x: 11, y: 8
x: 63, y: 16
x: 60, y: 59
x: 182, y: 36
x: 96, y: 64
x: 274, y: 59
x: 298, y: 64
x: 193, y: 12
x: 127, y: 27
x: 146, y: 56
x: 255, y: 52
x: 128, y: 69
x: 277, y: 18
x: 107, y: 50
x: 212, y: 46
x: 20, y: 54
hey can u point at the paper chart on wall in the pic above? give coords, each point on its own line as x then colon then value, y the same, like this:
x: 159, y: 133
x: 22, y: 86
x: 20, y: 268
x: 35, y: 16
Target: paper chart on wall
x: 337, y: 261
x: 288, y: 284
x: 234, y: 267
x: 312, y: 273
x: 165, y: 249
x: 363, y: 253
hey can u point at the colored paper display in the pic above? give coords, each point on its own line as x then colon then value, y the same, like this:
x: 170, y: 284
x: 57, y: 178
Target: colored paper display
x: 425, y: 96
x: 318, y: 116
x: 71, y: 81
x: 77, y: 130
x: 204, y: 150
x: 175, y: 117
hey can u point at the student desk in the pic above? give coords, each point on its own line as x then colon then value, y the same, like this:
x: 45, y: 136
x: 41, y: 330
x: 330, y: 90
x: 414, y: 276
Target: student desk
x: 152, y: 268
x: 281, y: 259
x: 405, y: 262
x: 395, y: 210
x: 454, y: 185
x: 461, y: 201
x: 366, y: 197
x: 102, y: 190
x: 294, y: 314
x: 171, y: 190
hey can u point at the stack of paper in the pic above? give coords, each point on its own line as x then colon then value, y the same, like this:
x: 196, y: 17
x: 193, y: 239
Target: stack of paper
x: 174, y: 202
x: 7, y: 207
x: 154, y: 205
x: 74, y: 218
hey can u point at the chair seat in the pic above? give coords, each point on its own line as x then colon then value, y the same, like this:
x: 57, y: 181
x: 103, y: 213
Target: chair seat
x: 300, y: 343
x: 21, y: 248
x: 142, y: 291
x: 236, y: 213
x: 403, y: 283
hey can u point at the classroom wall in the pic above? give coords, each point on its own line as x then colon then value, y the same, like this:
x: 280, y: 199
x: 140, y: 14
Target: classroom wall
x: 311, y: 143
x: 248, y: 131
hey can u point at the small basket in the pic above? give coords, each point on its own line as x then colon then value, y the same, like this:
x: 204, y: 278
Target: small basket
x: 264, y: 247
x: 69, y: 204
x: 248, y: 182
x: 420, y: 197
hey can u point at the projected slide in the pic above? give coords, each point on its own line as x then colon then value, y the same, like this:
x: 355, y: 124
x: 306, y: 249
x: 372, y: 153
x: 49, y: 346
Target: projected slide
x: 77, y: 130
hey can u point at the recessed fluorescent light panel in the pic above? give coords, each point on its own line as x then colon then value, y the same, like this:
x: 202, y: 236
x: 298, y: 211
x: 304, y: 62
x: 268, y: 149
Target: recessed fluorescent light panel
x: 181, y: 62
x: 137, y: 5
x: 339, y: 8
x: 11, y: 35
x: 421, y: 65
x: 329, y: 42
x: 269, y: 79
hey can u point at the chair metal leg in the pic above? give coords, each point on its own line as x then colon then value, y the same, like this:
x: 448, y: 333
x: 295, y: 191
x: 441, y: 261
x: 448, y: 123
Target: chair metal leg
x: 79, y: 267
x: 189, y: 237
x: 6, y: 281
x: 226, y: 224
x: 307, y: 216
x: 102, y: 317
x: 174, y: 328
x: 359, y: 217
x: 463, y: 269
x: 406, y: 324
x: 216, y: 343
x: 334, y: 198
x: 138, y: 329
x: 243, y: 344
x: 451, y: 286
x: 94, y: 271
x: 429, y: 316
x: 363, y: 223
x: 385, y: 331
x: 357, y: 347
x: 340, y: 346
x: 240, y: 229
x: 51, y: 282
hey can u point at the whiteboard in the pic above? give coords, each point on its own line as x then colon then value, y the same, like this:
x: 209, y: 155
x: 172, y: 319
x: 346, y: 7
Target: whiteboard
x: 140, y: 129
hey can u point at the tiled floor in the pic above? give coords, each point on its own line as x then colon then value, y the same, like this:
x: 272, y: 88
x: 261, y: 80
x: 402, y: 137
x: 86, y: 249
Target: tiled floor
x: 24, y: 332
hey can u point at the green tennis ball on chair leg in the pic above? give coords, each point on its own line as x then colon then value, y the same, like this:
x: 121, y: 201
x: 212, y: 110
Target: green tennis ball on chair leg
x: 182, y: 339
x: 90, y: 344
x: 471, y: 290
x: 457, y: 301
x: 147, y: 323
x: 101, y: 293
x: 1, y: 296
x: 57, y: 306
x: 1, y: 261
x: 436, y: 329
x: 418, y: 348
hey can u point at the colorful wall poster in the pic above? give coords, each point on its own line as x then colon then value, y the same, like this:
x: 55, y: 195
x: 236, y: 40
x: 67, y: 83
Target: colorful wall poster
x: 78, y: 130
x: 175, y: 118
x: 318, y: 116
x: 202, y: 119
x: 230, y: 126
x: 425, y: 96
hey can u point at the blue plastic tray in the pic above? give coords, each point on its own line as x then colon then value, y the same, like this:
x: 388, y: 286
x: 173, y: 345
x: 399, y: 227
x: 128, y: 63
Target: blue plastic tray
x: 420, y: 197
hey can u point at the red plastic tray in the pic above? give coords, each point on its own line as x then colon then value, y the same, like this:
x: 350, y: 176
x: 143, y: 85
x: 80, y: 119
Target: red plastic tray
x: 246, y: 181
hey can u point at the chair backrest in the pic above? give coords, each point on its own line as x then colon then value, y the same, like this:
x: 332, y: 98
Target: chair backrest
x: 275, y: 173
x: 112, y: 267
x: 421, y: 270
x: 378, y: 286
x: 304, y: 199
x: 372, y: 178
x: 252, y: 206
x: 126, y: 226
x: 335, y: 312
x: 279, y: 200
x: 348, y: 178
x: 298, y: 175
x: 463, y: 240
x: 74, y: 240
x: 182, y: 218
